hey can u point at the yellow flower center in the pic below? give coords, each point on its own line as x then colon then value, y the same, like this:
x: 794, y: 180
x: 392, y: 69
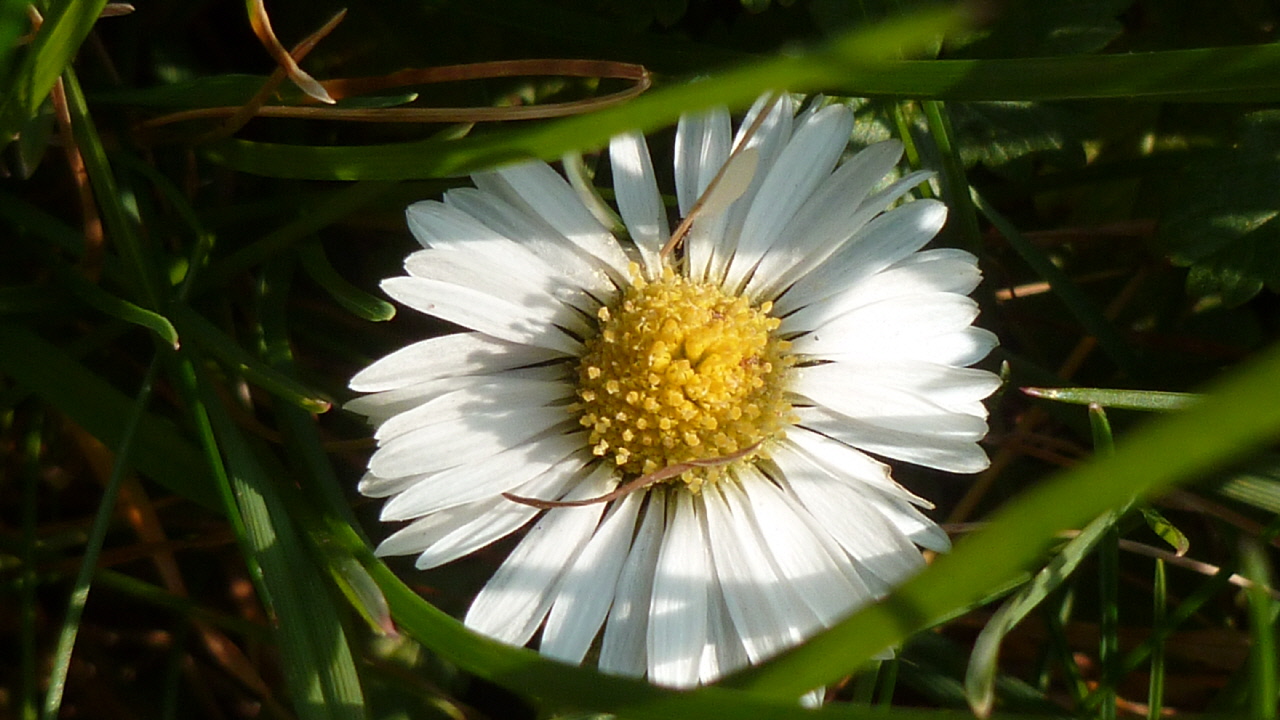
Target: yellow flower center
x: 682, y: 372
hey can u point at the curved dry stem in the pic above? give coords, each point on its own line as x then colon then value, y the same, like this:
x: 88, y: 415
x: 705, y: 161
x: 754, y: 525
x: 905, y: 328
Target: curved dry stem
x: 354, y: 87
x: 639, y: 483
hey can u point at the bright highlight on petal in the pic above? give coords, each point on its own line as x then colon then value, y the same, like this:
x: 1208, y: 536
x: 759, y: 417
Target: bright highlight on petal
x: 684, y: 424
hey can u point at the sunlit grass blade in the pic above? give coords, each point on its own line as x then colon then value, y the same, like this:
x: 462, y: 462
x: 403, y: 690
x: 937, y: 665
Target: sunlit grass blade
x: 122, y: 463
x: 1257, y: 484
x: 961, y: 213
x: 555, y: 685
x: 861, y: 64
x: 1239, y: 413
x: 164, y: 454
x: 212, y: 340
x: 1086, y: 312
x: 1116, y: 399
x: 317, y: 660
x: 980, y: 677
x: 1167, y: 531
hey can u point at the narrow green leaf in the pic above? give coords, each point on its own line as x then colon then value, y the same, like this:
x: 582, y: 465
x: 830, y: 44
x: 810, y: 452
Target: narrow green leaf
x: 1155, y: 683
x: 139, y: 261
x: 1263, y: 669
x: 980, y: 677
x: 1167, y: 531
x: 121, y: 464
x: 1239, y: 413
x: 358, y: 302
x: 118, y: 307
x: 49, y: 53
x: 1118, y: 399
x: 317, y: 663
x: 212, y: 340
x: 164, y: 454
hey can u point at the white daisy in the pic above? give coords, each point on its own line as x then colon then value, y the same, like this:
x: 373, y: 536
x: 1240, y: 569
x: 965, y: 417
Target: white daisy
x: 710, y: 409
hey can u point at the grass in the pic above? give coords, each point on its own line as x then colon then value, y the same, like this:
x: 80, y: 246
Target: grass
x: 184, y: 292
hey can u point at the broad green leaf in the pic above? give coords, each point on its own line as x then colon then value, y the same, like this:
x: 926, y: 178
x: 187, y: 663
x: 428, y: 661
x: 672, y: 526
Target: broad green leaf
x: 1066, y: 27
x: 1222, y: 214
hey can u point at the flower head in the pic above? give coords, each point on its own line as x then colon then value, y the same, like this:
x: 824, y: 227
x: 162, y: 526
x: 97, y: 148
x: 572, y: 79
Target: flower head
x: 688, y: 426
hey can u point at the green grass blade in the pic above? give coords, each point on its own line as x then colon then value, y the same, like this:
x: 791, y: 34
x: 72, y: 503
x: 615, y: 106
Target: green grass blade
x: 49, y: 53
x: 1263, y: 667
x: 317, y: 660
x: 1155, y: 684
x: 1108, y: 579
x: 121, y: 464
x: 358, y: 302
x: 209, y: 338
x: 861, y: 64
x: 1117, y: 399
x: 1240, y: 413
x: 111, y: 197
x: 980, y: 677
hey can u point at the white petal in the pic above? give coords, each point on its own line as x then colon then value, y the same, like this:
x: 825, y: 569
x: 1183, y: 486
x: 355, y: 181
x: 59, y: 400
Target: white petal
x: 544, y: 295
x: 906, y: 321
x: 476, y: 475
x: 883, y: 241
x: 481, y: 395
x: 935, y: 451
x: 865, y: 397
x: 587, y: 588
x: 702, y: 146
x: 849, y: 465
x: 770, y: 136
x: 467, y: 353
x: 805, y: 162
x: 623, y: 648
x: 766, y: 611
x: 855, y: 520
x: 552, y: 198
x: 723, y: 653
x: 481, y: 311
x: 806, y: 559
x: 677, y: 629
x: 516, y: 599
x: 583, y: 269
x: 826, y: 225
x: 955, y: 389
x: 496, y: 518
x: 382, y: 406
x: 639, y: 202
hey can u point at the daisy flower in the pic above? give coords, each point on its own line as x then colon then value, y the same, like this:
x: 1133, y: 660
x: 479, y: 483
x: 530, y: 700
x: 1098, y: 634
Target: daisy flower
x: 689, y: 427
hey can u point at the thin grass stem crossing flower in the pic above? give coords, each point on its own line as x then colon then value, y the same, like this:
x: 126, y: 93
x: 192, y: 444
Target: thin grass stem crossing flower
x: 691, y: 429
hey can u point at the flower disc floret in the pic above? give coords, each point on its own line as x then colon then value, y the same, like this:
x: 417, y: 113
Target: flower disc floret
x: 682, y: 371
